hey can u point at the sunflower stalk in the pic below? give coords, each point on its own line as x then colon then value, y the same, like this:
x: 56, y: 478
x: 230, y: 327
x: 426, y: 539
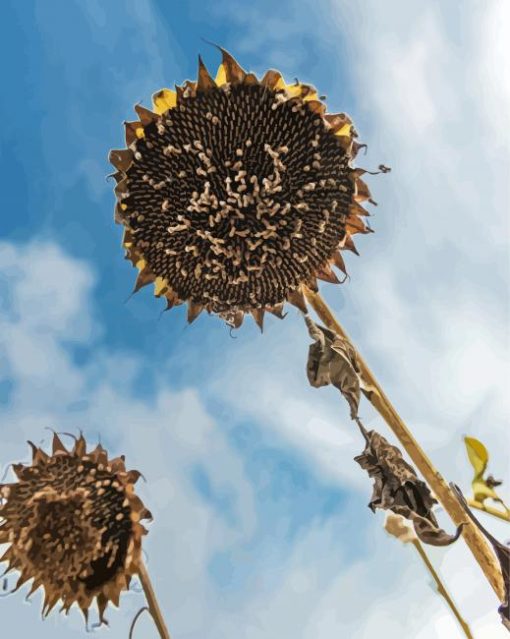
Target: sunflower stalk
x: 152, y: 602
x: 472, y: 536
x: 441, y: 588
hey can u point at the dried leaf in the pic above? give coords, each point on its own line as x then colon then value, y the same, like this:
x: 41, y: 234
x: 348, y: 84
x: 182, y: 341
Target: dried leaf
x: 397, y: 488
x: 502, y: 553
x: 332, y: 360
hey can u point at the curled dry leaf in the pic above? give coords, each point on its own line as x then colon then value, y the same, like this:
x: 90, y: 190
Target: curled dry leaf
x: 332, y: 360
x: 502, y: 553
x: 397, y: 488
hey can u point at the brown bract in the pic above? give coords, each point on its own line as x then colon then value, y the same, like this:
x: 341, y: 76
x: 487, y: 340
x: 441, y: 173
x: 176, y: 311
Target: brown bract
x: 397, y: 488
x: 72, y: 522
x: 236, y: 192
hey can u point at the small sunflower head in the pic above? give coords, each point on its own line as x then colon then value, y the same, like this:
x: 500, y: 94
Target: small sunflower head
x: 237, y: 192
x: 72, y: 522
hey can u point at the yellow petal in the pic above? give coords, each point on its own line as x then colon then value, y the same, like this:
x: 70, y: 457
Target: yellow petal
x: 345, y: 130
x: 293, y: 90
x: 160, y: 286
x: 221, y: 75
x: 164, y: 100
x: 141, y: 264
x: 311, y: 96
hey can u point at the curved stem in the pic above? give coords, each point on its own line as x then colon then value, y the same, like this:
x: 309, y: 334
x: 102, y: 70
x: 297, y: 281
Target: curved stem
x: 441, y: 589
x: 137, y: 616
x: 152, y: 602
x: 472, y: 536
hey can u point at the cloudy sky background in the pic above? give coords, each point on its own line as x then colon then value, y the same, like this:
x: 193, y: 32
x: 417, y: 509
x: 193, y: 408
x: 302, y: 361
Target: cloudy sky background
x: 260, y: 521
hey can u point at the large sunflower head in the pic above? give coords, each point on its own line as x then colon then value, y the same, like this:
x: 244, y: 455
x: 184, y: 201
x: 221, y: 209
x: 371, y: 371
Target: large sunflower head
x: 237, y: 192
x: 72, y: 522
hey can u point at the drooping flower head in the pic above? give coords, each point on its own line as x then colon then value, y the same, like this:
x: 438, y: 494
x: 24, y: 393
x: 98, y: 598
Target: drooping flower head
x: 72, y: 522
x: 236, y: 192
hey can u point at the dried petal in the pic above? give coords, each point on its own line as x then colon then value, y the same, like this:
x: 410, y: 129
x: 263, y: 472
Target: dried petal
x: 205, y: 82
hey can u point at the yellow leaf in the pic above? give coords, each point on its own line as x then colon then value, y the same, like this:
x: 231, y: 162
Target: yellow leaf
x: 481, y: 491
x: 478, y: 455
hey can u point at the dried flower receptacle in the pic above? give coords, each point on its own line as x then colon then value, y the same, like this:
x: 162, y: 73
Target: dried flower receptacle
x: 235, y: 192
x: 72, y: 522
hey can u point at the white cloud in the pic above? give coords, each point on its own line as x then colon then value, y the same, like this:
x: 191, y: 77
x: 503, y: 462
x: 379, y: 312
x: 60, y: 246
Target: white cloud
x: 427, y: 305
x: 46, y: 304
x: 428, y: 302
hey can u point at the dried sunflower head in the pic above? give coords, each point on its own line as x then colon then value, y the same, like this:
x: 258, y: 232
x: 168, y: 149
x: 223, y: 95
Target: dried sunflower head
x: 72, y: 522
x: 236, y: 192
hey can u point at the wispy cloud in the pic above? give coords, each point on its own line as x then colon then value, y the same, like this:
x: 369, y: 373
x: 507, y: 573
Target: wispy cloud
x: 427, y: 304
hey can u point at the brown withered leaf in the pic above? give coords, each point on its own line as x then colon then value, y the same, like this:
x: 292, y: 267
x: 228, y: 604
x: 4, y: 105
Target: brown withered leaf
x: 397, y: 488
x: 502, y: 553
x: 332, y: 360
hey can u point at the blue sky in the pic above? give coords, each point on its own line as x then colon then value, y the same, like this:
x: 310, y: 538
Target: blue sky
x: 261, y: 527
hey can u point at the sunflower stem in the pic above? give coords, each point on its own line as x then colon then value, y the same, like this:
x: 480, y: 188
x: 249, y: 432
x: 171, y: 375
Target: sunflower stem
x: 472, y: 536
x: 152, y: 602
x: 489, y: 510
x: 441, y: 588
